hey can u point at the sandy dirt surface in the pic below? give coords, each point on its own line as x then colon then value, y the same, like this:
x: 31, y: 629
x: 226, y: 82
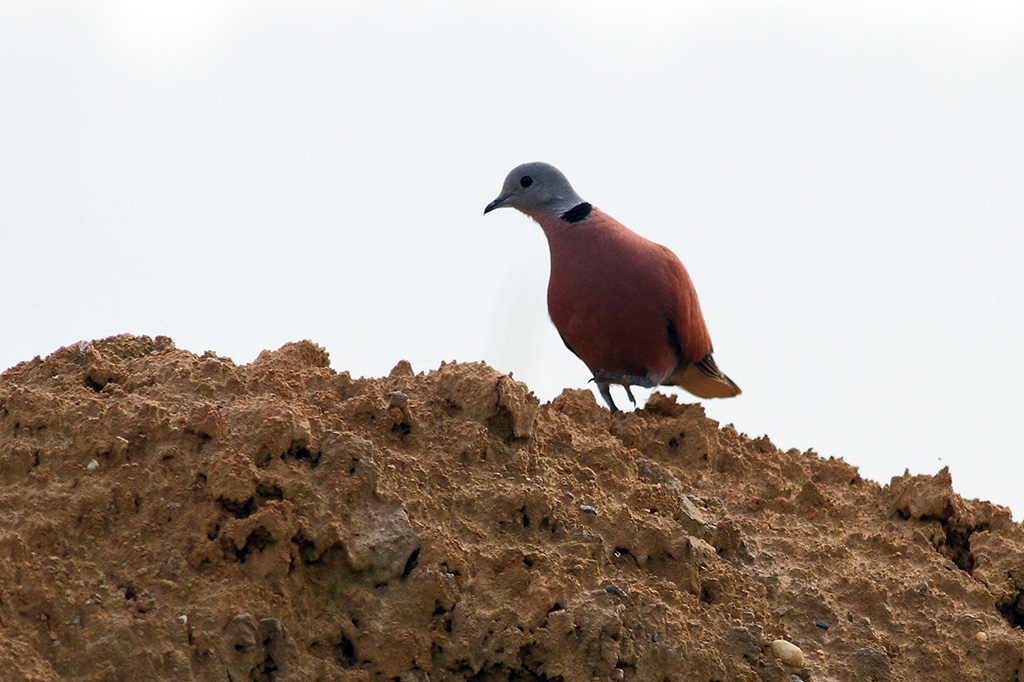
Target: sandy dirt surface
x: 167, y: 516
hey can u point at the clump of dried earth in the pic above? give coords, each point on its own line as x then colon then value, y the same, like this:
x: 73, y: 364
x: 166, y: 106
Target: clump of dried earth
x: 168, y: 516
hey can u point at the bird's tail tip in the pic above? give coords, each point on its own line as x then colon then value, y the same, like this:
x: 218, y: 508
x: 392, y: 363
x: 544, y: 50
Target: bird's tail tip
x: 704, y: 380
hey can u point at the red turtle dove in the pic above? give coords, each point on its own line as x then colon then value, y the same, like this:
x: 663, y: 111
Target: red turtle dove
x: 623, y: 304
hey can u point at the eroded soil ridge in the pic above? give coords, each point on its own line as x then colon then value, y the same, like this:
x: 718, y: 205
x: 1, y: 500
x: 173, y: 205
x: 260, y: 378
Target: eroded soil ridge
x: 180, y: 517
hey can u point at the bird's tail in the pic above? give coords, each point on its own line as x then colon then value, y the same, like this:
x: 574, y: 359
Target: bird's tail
x: 703, y: 379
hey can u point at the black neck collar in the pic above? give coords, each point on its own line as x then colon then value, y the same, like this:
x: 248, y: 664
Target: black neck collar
x: 577, y: 213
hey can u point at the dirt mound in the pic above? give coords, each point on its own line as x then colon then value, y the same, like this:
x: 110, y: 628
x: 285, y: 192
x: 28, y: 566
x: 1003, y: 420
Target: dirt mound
x: 169, y: 516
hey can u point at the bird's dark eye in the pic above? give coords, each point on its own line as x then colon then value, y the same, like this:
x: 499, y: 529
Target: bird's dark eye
x: 526, y: 181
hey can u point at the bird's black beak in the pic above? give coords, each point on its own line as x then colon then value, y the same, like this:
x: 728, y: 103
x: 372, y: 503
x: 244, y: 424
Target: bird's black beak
x: 497, y: 203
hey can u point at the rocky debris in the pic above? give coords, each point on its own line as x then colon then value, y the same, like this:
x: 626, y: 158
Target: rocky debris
x: 789, y: 654
x: 173, y: 516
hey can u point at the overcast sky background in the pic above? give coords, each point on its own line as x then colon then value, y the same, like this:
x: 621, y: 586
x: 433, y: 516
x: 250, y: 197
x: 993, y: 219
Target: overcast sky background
x: 843, y: 181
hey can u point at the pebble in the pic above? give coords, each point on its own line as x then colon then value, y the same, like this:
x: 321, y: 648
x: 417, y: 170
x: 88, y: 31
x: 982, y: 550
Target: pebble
x: 587, y: 509
x: 981, y: 637
x: 613, y: 589
x: 822, y: 624
x: 789, y: 653
x: 617, y: 675
x: 871, y: 663
x: 93, y: 465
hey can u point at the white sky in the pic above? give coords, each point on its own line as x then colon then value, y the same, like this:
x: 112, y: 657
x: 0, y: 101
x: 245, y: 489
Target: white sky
x: 843, y: 181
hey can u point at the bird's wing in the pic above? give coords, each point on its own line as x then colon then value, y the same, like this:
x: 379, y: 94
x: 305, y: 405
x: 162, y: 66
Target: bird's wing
x: 685, y: 323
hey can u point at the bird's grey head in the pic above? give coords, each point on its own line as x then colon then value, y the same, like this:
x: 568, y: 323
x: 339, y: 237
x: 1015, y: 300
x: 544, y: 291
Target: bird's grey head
x: 537, y: 189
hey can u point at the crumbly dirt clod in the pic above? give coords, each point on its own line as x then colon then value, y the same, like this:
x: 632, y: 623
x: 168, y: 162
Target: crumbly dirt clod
x: 282, y: 521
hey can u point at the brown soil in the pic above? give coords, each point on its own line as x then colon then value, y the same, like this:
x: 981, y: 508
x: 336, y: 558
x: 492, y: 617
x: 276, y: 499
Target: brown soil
x: 169, y: 516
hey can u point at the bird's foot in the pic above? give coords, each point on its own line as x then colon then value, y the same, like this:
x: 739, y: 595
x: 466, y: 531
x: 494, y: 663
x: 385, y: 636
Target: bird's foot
x: 604, y: 379
x: 602, y: 387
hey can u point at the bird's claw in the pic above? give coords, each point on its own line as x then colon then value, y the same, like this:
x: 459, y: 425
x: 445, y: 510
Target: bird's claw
x: 603, y: 378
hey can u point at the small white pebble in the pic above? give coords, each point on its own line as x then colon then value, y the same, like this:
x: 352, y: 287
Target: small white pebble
x: 789, y: 653
x: 183, y: 618
x: 981, y: 637
x: 93, y: 465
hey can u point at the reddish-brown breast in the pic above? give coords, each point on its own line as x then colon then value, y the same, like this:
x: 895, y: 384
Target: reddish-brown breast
x: 613, y: 296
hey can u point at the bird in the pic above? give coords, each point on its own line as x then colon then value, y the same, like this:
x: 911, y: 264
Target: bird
x: 621, y: 303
